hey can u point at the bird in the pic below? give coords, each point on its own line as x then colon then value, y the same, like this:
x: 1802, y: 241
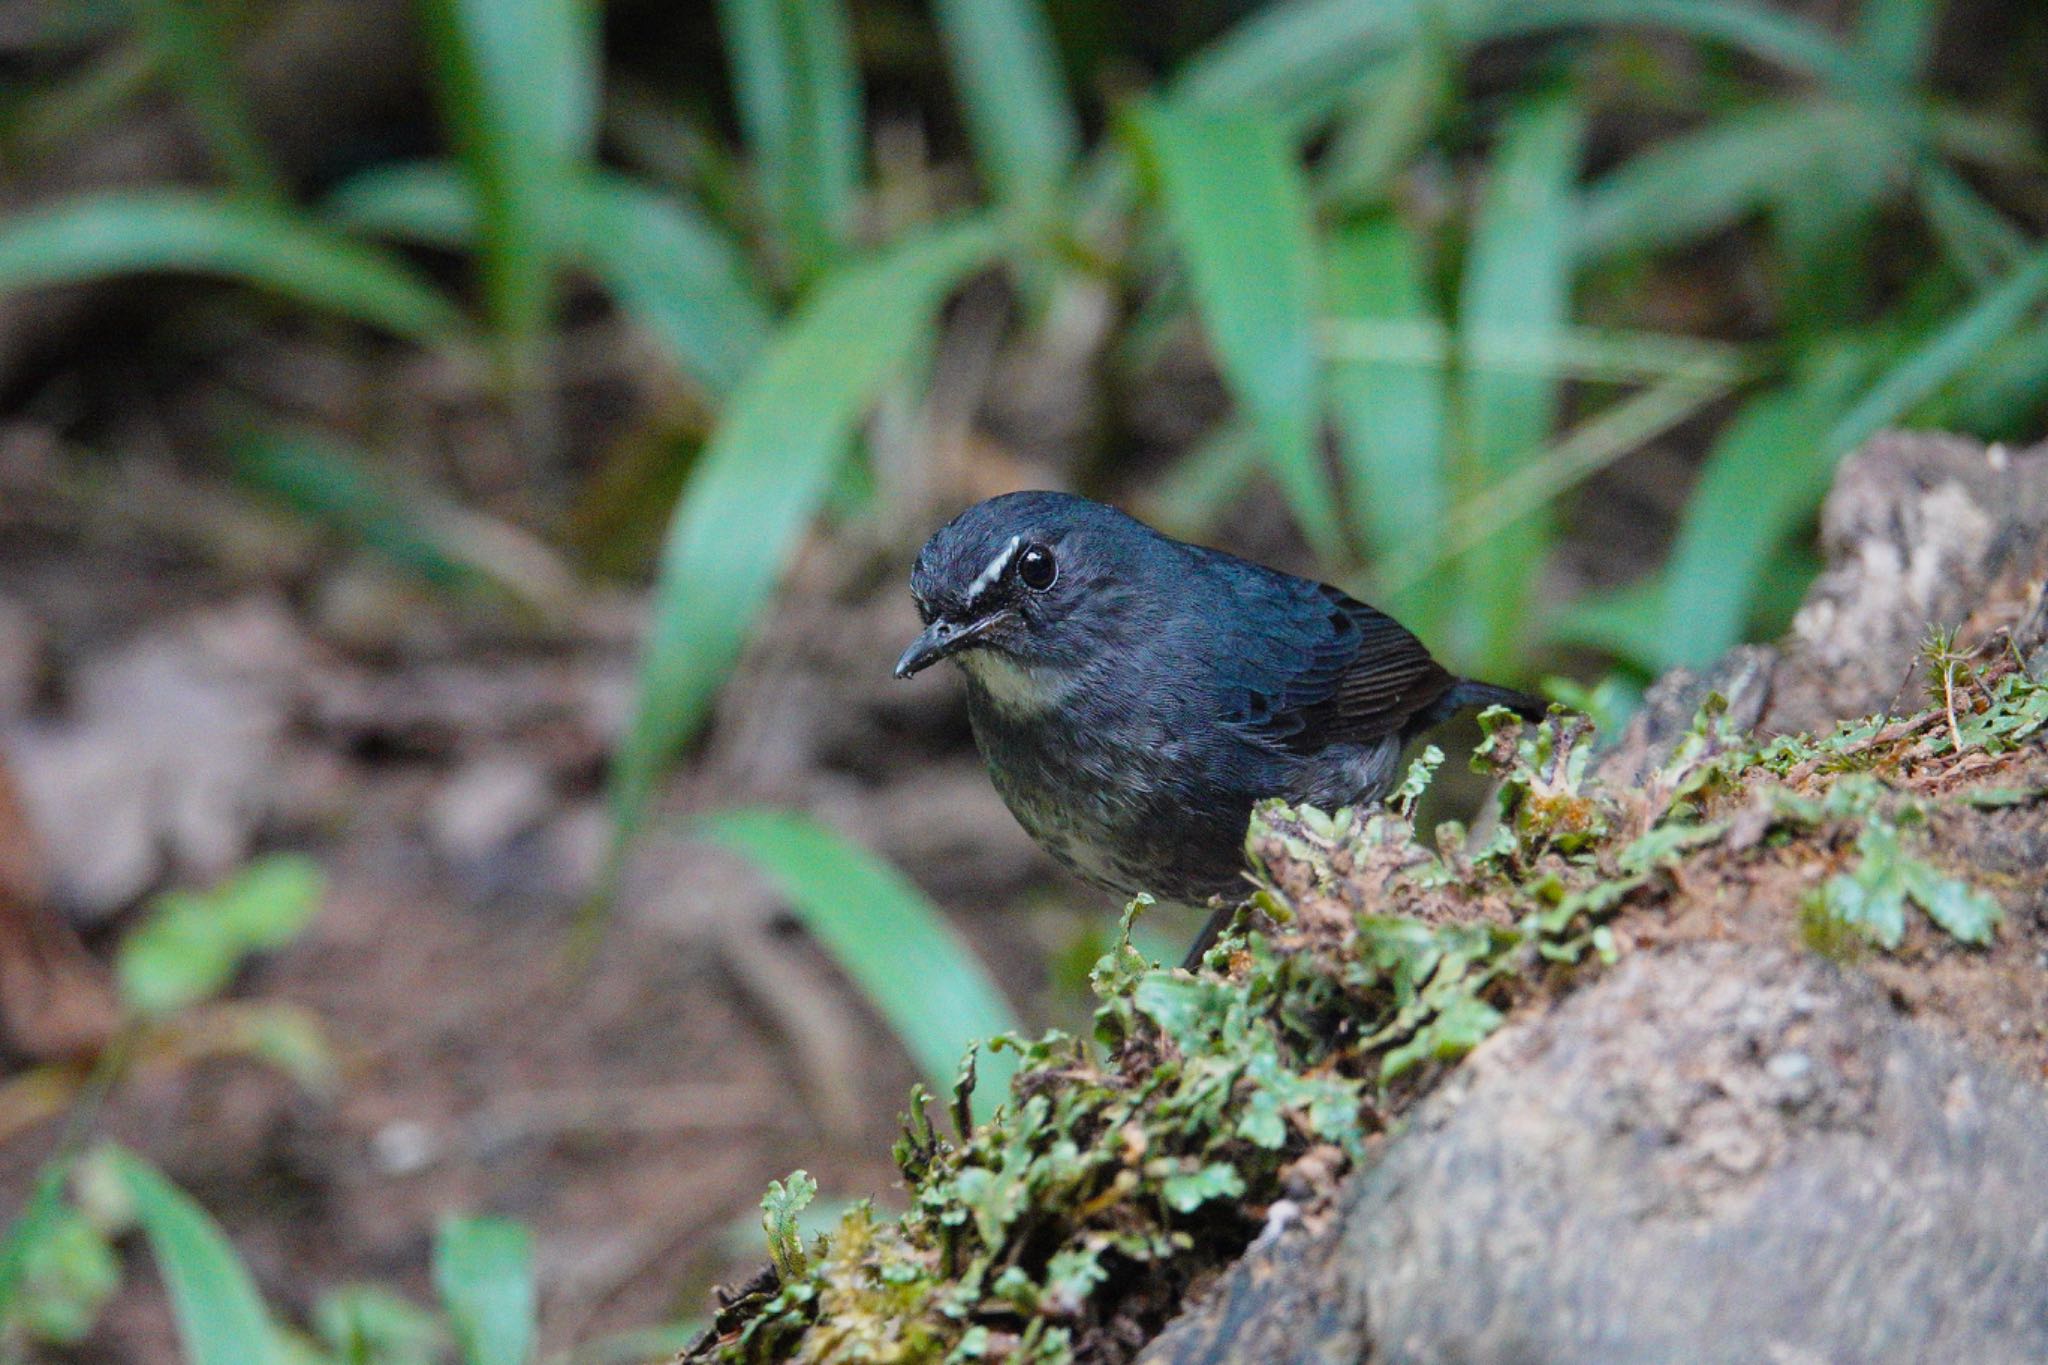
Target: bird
x: 1134, y: 696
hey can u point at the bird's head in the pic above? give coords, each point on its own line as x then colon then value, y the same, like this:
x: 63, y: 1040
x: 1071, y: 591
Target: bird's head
x: 1032, y: 581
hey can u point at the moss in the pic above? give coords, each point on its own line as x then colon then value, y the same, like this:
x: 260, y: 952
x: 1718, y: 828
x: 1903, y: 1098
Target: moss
x: 1125, y: 1169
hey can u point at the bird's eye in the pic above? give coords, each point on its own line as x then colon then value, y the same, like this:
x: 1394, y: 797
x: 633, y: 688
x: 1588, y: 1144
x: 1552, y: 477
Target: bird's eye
x: 1035, y: 568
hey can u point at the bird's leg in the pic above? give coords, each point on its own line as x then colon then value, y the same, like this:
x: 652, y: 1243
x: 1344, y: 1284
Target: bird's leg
x: 1212, y: 929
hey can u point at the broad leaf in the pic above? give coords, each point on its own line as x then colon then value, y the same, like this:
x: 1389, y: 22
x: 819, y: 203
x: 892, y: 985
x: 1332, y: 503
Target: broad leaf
x: 1237, y: 205
x: 883, y: 933
x: 119, y: 232
x: 764, y: 475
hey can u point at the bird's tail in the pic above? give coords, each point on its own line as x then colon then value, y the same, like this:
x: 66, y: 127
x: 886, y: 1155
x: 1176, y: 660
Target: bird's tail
x: 1470, y: 694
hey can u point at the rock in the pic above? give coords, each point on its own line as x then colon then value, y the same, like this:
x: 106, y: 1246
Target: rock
x: 1716, y: 1153
x: 1920, y: 531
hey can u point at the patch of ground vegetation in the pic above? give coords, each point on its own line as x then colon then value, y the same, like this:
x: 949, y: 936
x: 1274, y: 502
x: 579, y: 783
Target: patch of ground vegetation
x: 1210, y: 1109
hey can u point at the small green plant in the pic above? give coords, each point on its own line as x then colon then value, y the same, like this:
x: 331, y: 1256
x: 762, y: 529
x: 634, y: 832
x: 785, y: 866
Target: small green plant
x: 58, y: 1264
x: 1121, y: 1168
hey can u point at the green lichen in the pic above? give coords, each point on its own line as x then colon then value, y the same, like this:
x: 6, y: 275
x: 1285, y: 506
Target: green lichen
x: 1123, y: 1169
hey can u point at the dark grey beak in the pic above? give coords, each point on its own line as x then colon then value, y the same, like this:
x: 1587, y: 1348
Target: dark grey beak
x: 940, y: 639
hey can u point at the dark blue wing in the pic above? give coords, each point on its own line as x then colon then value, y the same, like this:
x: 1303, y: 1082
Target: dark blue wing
x: 1306, y: 666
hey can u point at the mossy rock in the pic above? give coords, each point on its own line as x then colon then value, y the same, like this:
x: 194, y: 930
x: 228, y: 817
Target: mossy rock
x: 1649, y: 1066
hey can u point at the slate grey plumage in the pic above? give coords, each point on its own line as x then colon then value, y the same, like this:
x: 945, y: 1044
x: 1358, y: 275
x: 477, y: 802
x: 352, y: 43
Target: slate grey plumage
x: 1134, y: 696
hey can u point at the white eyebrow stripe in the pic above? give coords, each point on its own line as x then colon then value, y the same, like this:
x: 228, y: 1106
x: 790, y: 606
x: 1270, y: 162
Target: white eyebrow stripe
x: 986, y: 579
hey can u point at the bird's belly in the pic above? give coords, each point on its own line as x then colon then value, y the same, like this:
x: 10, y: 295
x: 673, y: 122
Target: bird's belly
x: 1119, y: 815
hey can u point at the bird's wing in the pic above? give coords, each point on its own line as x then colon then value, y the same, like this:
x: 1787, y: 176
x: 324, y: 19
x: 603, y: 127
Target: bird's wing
x: 1313, y: 667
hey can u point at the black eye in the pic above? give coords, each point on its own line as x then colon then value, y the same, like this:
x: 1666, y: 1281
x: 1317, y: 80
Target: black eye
x: 1036, y: 569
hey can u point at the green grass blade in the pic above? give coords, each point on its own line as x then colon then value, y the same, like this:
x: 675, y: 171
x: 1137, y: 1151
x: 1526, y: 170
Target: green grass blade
x: 1291, y: 50
x: 893, y: 942
x: 1763, y: 475
x: 444, y: 543
x: 483, y: 1269
x: 1391, y: 417
x: 1537, y: 479
x: 1237, y: 204
x: 2009, y: 388
x: 327, y: 483
x: 1595, y: 354
x: 1690, y: 186
x: 1773, y: 466
x: 765, y: 473
x: 1516, y: 294
x: 187, y: 38
x: 429, y: 202
x: 1392, y: 115
x: 678, y: 276
x: 1007, y: 69
x: 1781, y: 39
x: 118, y: 232
x: 1996, y: 314
x: 1977, y: 239
x: 1288, y: 49
x: 1895, y: 36
x: 41, y: 1212
x: 519, y: 90
x: 221, y: 1318
x: 799, y: 99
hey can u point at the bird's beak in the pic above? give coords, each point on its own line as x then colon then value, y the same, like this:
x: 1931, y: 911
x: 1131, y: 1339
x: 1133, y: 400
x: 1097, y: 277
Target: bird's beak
x: 943, y: 638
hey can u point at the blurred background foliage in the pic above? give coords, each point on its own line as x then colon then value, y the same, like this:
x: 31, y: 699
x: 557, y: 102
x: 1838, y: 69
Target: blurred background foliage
x: 1431, y: 247
x: 1449, y: 270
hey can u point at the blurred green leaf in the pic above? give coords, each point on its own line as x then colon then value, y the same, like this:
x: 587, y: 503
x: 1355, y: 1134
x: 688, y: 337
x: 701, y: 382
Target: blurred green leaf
x: 116, y: 232
x: 221, y: 1319
x: 764, y: 475
x: 1705, y: 181
x: 673, y: 272
x: 323, y: 481
x: 519, y: 90
x: 190, y: 43
x: 1292, y: 48
x: 1516, y: 294
x: 2009, y: 388
x: 71, y: 1273
x: 799, y: 100
x: 1299, y: 48
x: 190, y: 943
x: 1237, y: 205
x: 444, y: 543
x: 1015, y: 98
x: 1390, y: 115
x: 368, y: 1325
x: 417, y: 201
x: 1783, y: 39
x: 1996, y: 314
x: 1765, y: 472
x: 483, y: 1270
x: 287, y: 1037
x: 1895, y: 36
x: 675, y: 275
x: 1967, y: 914
x: 884, y: 934
x: 1391, y: 417
x: 40, y: 1212
x: 1192, y: 495
x: 1976, y: 237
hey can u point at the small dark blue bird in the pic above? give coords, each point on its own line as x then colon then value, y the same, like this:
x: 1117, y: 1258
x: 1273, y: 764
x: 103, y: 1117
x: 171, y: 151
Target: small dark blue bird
x: 1134, y: 696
